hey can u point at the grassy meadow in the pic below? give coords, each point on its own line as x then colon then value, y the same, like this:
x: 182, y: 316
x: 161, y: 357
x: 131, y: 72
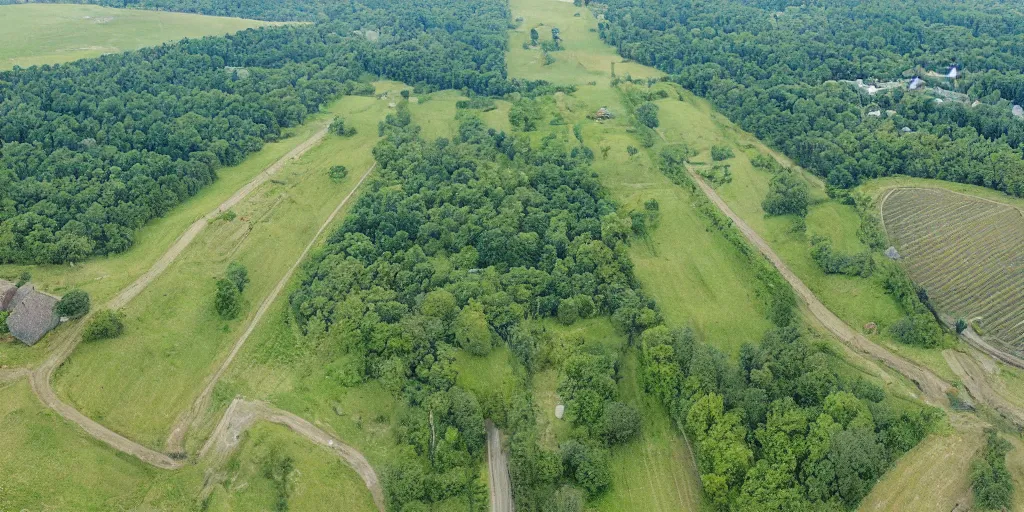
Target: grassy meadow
x: 49, y: 464
x: 36, y: 34
x: 174, y: 339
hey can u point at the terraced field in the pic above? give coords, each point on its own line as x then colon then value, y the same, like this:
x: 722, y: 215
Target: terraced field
x: 965, y: 252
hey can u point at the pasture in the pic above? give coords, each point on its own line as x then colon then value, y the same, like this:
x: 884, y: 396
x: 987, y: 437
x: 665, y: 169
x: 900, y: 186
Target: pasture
x: 36, y: 34
x: 965, y: 251
x: 174, y: 339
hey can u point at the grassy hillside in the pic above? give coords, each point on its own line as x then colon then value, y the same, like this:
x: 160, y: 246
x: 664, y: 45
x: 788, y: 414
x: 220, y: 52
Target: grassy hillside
x: 174, y: 337
x: 34, y: 34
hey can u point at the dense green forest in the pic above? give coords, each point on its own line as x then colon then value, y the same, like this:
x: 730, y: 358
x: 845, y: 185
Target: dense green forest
x: 776, y: 67
x: 93, y: 149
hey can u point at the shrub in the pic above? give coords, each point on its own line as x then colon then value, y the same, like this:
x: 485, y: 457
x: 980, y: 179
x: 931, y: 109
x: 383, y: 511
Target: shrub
x: 990, y: 479
x: 647, y: 114
x: 338, y: 127
x: 239, y: 275
x: 568, y: 311
x: 719, y: 153
x: 23, y: 279
x: 621, y: 422
x: 227, y: 301
x: 338, y: 173
x: 75, y: 304
x: 3, y: 322
x: 104, y: 325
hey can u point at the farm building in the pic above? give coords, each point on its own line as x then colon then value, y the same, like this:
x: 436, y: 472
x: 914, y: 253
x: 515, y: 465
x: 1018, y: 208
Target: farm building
x: 32, y: 314
x: 916, y: 84
x: 892, y: 253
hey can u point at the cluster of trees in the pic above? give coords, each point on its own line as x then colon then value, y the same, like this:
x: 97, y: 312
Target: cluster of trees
x: 782, y: 429
x: 832, y: 261
x: 94, y: 149
x: 773, y: 67
x: 788, y: 193
x: 919, y: 326
x: 455, y: 245
x: 991, y: 482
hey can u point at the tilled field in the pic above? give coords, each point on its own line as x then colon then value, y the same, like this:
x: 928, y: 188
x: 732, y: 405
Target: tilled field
x: 966, y: 252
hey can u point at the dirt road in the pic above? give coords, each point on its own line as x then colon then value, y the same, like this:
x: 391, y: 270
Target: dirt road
x: 497, y: 465
x: 242, y: 414
x: 176, y: 441
x: 932, y: 386
x: 973, y: 377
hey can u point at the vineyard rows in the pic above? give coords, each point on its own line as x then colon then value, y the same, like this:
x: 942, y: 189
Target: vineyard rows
x: 966, y: 253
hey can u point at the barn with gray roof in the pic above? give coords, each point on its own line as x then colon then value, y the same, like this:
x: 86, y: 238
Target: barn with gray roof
x: 32, y: 313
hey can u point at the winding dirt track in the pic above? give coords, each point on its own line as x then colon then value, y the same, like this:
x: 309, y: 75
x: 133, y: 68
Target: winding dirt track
x: 932, y: 386
x: 242, y: 413
x: 497, y: 465
x: 972, y: 376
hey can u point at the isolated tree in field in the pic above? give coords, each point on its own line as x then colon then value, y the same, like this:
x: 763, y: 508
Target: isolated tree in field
x: 647, y: 114
x: 534, y: 36
x: 337, y: 173
x: 75, y: 304
x: 227, y: 300
x: 632, y: 150
x: 405, y: 94
x: 472, y: 332
x: 961, y: 325
x: 621, y: 422
x: 104, y: 325
x: 787, y: 194
x: 238, y: 274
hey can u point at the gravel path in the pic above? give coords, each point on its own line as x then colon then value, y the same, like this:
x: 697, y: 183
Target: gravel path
x: 497, y: 464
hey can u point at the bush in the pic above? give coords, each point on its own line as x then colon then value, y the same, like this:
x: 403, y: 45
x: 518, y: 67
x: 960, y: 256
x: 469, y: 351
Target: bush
x: 239, y: 275
x: 787, y: 194
x: 23, y: 279
x: 338, y: 173
x: 104, y: 325
x: 647, y: 114
x: 719, y: 153
x: 75, y: 304
x: 338, y: 127
x: 227, y: 301
x: 832, y: 262
x: 3, y: 322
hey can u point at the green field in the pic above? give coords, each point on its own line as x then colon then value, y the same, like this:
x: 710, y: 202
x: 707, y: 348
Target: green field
x: 34, y: 34
x: 174, y: 339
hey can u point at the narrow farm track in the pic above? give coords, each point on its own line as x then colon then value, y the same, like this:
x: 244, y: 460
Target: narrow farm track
x: 932, y: 386
x: 497, y: 465
x: 249, y: 412
x: 176, y: 441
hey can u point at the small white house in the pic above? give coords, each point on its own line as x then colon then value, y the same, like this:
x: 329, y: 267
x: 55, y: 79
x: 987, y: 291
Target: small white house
x: 559, y: 411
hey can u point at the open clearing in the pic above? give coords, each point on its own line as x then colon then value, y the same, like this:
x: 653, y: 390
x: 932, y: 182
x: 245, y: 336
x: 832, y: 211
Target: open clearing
x: 174, y: 339
x: 34, y: 34
x: 965, y: 251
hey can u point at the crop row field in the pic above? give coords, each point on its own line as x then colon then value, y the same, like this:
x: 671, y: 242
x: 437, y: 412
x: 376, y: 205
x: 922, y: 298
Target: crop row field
x: 965, y: 252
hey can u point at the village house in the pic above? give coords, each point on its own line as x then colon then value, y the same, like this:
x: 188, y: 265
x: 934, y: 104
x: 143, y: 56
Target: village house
x: 31, y: 312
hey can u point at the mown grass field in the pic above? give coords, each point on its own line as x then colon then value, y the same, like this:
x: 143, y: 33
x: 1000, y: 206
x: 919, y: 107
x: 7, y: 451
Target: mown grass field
x: 34, y: 34
x: 965, y: 251
x: 174, y: 339
x: 49, y: 464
